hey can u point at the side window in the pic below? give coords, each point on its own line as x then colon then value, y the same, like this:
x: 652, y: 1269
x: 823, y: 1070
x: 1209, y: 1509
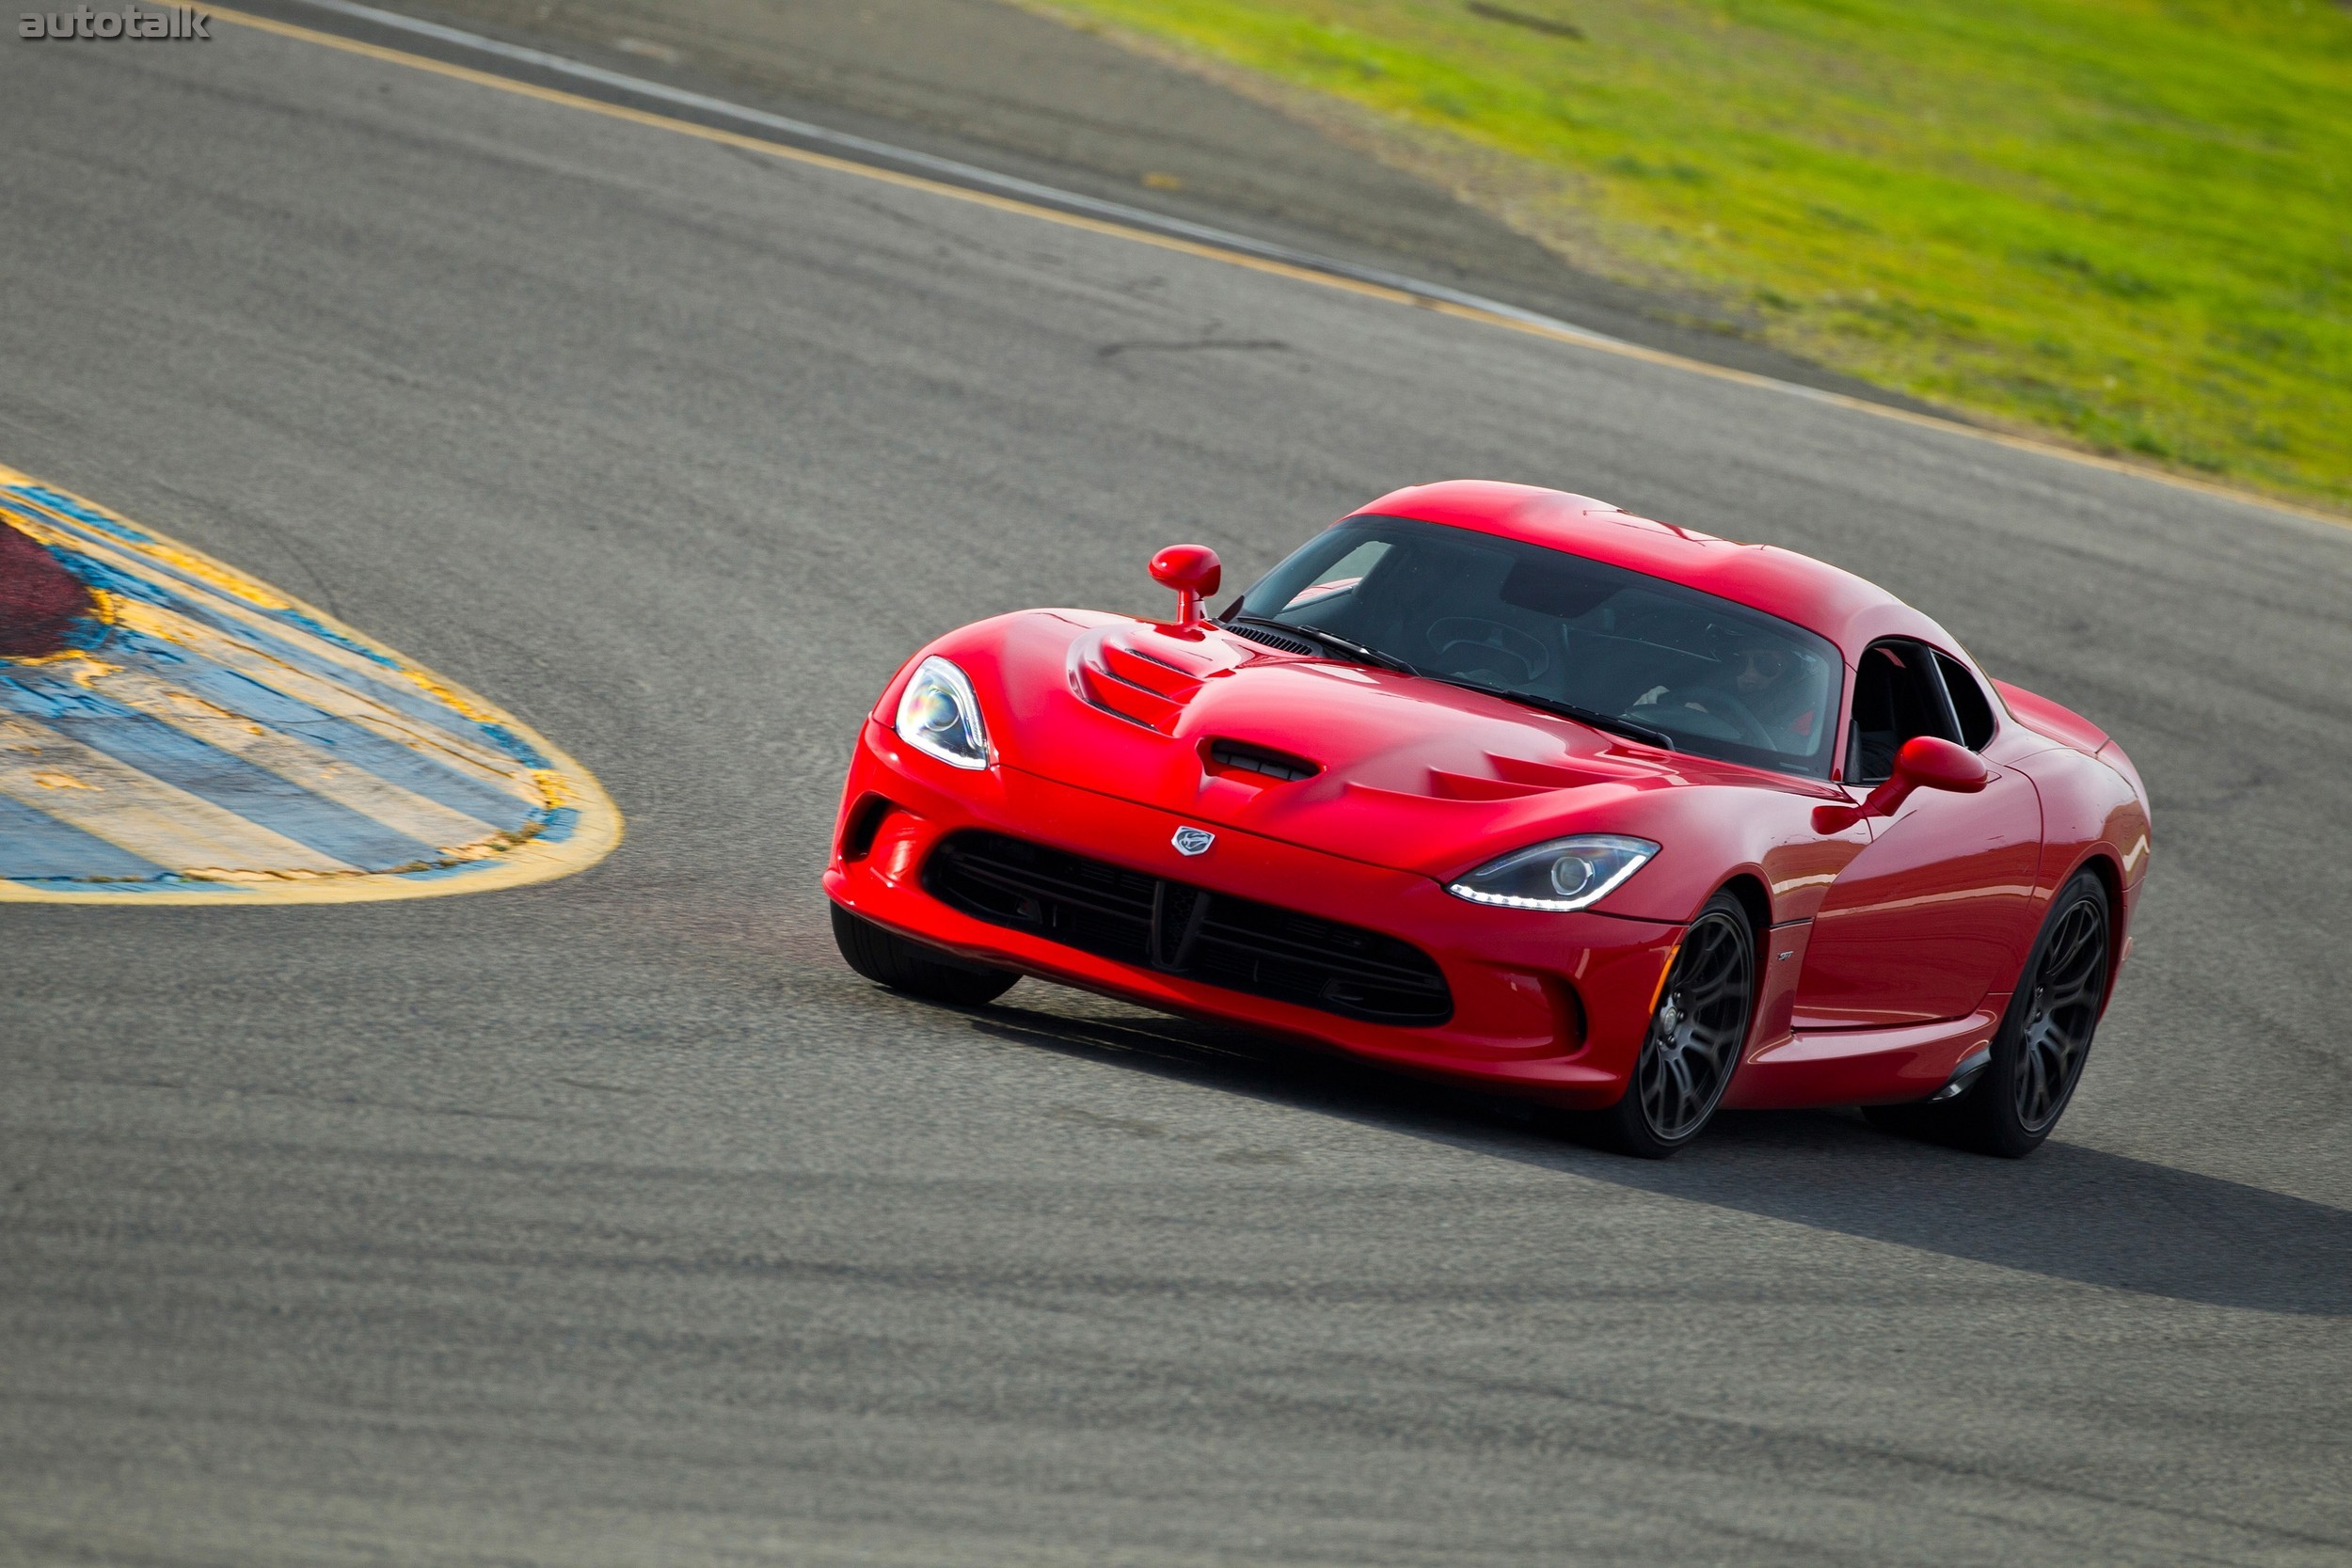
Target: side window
x: 1894, y: 698
x: 1969, y: 704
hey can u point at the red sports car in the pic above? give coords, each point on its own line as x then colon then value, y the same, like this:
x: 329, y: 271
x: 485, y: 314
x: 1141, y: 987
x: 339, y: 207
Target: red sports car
x: 1503, y: 785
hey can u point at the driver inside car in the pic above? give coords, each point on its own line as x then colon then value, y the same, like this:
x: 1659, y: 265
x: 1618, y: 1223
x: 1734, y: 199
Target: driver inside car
x: 1762, y: 678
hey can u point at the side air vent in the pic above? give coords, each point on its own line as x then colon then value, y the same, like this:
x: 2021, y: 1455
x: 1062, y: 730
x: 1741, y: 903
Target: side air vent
x: 1244, y: 758
x: 864, y: 821
x: 1273, y: 639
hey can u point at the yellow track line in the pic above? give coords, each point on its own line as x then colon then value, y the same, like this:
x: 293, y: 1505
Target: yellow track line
x: 1257, y: 263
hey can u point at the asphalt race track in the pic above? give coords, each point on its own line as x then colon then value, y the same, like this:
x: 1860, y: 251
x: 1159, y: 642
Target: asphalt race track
x: 613, y: 1220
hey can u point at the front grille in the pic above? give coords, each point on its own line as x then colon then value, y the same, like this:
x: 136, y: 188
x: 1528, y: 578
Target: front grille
x: 1178, y: 928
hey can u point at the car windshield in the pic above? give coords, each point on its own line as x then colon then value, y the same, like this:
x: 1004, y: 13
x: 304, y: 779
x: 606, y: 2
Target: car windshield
x: 1557, y: 629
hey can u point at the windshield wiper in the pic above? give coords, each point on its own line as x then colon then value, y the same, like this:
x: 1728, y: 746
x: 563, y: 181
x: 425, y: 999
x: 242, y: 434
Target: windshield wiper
x: 1632, y: 728
x: 1331, y: 640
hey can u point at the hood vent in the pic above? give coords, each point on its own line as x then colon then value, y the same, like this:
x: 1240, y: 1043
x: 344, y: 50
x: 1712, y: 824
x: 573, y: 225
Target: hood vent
x: 1241, y: 757
x: 1273, y: 639
x: 1135, y: 686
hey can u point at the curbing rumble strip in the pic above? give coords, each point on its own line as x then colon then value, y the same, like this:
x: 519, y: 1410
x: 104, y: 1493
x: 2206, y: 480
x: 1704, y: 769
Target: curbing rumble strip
x: 201, y: 738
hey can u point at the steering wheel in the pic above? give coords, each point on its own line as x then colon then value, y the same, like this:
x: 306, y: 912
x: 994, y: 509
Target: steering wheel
x: 1716, y: 703
x: 1465, y: 644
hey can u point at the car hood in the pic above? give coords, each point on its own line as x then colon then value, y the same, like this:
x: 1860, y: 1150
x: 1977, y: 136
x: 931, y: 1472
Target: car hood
x: 1405, y: 773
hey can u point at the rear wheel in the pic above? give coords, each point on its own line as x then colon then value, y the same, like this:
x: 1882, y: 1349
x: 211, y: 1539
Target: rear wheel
x: 1694, y: 1039
x: 890, y: 959
x: 2044, y: 1039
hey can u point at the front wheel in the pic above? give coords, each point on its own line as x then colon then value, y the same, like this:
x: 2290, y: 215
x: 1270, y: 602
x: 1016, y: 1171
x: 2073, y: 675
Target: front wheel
x: 1694, y: 1039
x: 2044, y: 1039
x: 890, y: 959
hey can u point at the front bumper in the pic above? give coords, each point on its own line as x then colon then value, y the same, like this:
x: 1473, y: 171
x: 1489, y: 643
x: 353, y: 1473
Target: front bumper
x: 1554, y: 1005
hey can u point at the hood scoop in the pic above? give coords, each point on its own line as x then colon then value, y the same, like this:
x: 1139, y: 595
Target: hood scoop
x: 1264, y: 762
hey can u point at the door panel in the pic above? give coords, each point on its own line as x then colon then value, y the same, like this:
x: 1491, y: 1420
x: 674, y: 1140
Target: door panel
x: 1934, y: 914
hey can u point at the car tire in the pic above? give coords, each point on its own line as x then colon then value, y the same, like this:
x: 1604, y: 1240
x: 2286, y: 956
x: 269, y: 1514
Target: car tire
x: 2043, y: 1040
x: 890, y: 959
x: 1697, y: 1032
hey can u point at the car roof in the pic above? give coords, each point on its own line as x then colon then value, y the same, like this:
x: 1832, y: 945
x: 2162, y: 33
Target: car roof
x: 1848, y: 611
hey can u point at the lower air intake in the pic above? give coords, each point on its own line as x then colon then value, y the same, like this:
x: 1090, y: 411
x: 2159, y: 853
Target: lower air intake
x: 1178, y: 928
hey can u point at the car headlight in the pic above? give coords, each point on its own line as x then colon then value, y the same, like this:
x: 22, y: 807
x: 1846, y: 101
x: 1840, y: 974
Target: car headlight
x: 938, y: 714
x: 1563, y: 874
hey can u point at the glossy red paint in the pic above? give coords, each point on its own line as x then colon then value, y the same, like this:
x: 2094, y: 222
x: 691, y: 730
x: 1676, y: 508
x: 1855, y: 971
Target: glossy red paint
x: 1192, y: 570
x: 1890, y: 928
x: 1934, y: 915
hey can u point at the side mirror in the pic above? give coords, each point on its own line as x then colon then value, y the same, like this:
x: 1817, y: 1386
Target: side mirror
x: 1925, y: 762
x: 1192, y: 570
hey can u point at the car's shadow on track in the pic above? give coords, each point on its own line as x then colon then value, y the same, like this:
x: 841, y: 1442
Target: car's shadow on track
x: 2069, y: 1212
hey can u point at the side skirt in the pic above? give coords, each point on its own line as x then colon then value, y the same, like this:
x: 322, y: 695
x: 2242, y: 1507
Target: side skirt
x: 1861, y: 1066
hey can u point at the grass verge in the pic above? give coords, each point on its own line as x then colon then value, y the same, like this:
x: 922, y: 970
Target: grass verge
x: 2127, y: 222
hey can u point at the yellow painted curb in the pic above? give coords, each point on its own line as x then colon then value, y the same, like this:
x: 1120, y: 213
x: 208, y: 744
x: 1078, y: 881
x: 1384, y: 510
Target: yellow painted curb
x: 572, y: 823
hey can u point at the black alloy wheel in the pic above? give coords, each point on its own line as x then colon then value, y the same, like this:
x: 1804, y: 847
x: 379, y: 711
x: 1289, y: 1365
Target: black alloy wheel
x: 2062, y: 1014
x: 2044, y: 1039
x: 1695, y: 1037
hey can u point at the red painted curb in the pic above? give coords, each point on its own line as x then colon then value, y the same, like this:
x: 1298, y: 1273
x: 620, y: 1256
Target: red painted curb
x: 39, y: 600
